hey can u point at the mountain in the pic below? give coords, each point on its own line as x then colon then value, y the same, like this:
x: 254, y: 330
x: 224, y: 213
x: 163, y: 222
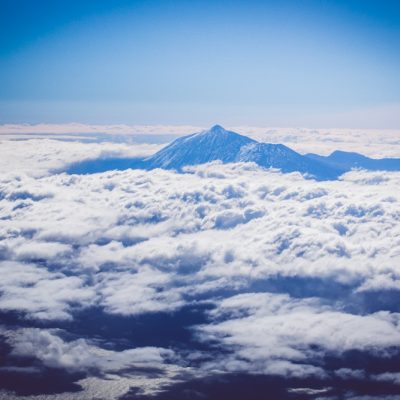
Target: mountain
x: 348, y: 160
x: 227, y: 146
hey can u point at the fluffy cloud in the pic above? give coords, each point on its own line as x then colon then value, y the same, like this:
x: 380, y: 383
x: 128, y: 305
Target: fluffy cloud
x: 79, y: 355
x: 148, y: 290
x: 40, y: 293
x: 270, y: 329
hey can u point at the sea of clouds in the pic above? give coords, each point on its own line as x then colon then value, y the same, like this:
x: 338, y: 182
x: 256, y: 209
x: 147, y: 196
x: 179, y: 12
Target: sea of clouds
x: 370, y: 142
x: 288, y: 270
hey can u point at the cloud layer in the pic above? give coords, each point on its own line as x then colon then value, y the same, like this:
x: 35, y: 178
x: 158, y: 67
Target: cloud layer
x: 370, y: 142
x: 286, y: 267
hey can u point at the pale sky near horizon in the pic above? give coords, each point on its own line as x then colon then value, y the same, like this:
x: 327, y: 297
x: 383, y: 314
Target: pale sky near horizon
x: 288, y: 63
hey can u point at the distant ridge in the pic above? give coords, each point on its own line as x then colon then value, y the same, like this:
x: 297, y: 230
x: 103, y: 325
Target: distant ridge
x: 349, y: 160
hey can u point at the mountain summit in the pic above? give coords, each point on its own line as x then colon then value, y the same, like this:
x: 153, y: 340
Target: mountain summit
x: 216, y: 129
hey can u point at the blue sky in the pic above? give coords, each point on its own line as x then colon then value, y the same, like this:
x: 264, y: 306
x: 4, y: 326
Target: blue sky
x: 275, y: 63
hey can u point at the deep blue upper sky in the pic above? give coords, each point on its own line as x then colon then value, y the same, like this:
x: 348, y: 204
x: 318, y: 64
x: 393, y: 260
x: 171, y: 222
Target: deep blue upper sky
x: 290, y: 63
